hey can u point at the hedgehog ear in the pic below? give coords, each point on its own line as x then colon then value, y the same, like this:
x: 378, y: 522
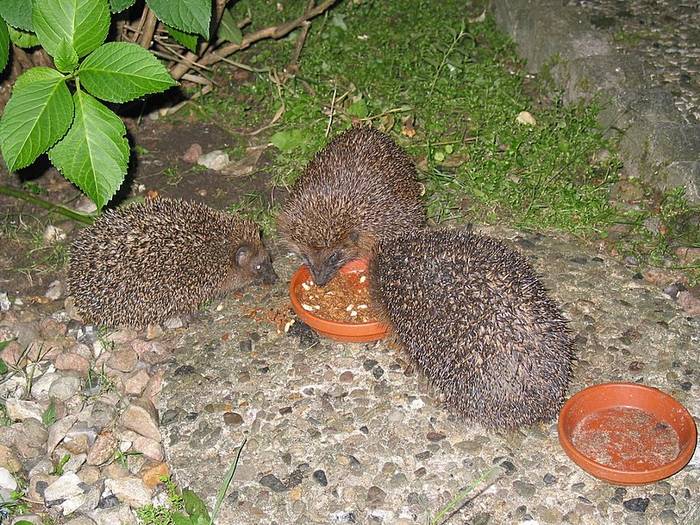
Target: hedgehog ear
x: 242, y: 255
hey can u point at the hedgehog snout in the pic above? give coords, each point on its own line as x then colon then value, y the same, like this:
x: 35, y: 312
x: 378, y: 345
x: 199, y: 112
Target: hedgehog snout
x: 265, y: 272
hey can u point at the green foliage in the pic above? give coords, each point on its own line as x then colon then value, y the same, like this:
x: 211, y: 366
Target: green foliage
x: 120, y: 72
x: 185, y: 507
x: 119, y: 5
x: 4, y: 45
x: 84, y: 139
x: 22, y: 38
x: 48, y: 418
x: 289, y: 140
x: 17, y: 14
x: 188, y: 40
x: 255, y: 206
x: 83, y: 24
x: 94, y: 154
x: 58, y: 467
x: 228, y: 28
x: 38, y: 114
x: 191, y: 16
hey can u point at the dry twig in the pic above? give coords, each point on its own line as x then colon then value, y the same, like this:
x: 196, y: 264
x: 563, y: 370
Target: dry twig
x: 149, y: 28
x: 275, y: 32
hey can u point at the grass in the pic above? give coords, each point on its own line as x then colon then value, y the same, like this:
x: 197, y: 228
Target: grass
x: 256, y: 207
x: 185, y: 507
x: 27, y: 233
x: 449, y: 90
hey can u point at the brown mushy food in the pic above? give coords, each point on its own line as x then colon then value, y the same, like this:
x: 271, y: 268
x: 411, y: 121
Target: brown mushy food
x: 149, y: 261
x: 472, y: 315
x: 344, y: 299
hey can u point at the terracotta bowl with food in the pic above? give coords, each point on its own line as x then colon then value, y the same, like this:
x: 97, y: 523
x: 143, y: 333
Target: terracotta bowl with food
x: 626, y: 433
x: 341, y: 310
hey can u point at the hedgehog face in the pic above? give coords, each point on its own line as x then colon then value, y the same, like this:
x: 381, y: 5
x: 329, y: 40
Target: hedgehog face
x: 324, y: 262
x: 253, y: 264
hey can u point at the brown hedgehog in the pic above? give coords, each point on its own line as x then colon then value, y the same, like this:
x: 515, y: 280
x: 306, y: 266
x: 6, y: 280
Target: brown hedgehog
x: 477, y: 322
x: 147, y: 262
x: 358, y: 189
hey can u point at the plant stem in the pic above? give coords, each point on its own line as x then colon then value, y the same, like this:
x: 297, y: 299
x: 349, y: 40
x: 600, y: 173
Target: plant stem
x: 66, y: 212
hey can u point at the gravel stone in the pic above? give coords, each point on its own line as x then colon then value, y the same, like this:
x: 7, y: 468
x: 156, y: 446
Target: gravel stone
x: 526, y: 490
x: 64, y: 387
x: 142, y: 417
x: 215, y: 160
x: 272, y: 482
x: 636, y: 504
x: 66, y: 486
x: 7, y: 480
x: 549, y: 479
x: 19, y: 410
x: 320, y: 477
x: 103, y: 449
x: 131, y: 491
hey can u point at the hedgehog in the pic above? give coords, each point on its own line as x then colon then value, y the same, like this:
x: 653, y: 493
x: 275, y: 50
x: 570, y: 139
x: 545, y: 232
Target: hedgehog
x: 476, y: 321
x: 360, y: 188
x: 150, y: 261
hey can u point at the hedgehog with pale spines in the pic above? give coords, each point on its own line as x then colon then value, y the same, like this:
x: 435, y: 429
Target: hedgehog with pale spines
x: 473, y: 317
x: 360, y: 188
x: 150, y: 261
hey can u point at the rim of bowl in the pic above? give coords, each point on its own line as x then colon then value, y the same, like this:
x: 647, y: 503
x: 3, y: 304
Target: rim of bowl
x: 627, y: 477
x: 370, y: 331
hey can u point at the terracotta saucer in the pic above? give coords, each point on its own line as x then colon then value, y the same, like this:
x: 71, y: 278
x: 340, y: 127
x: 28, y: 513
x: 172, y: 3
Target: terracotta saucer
x: 626, y: 433
x: 338, y: 331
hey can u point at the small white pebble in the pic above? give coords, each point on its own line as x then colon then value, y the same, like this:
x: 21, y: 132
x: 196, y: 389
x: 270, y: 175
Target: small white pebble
x: 305, y: 286
x: 353, y: 313
x: 363, y: 278
x: 310, y: 282
x: 362, y: 306
x: 350, y: 307
x: 288, y: 325
x: 317, y: 307
x: 307, y: 307
x: 219, y: 307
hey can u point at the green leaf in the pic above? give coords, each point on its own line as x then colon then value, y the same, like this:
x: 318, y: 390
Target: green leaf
x: 48, y: 418
x: 94, y: 154
x: 17, y: 13
x: 37, y: 115
x: 288, y: 140
x: 3, y: 344
x: 83, y: 23
x: 22, y: 38
x: 119, y: 5
x: 228, y: 28
x: 221, y: 493
x: 194, y: 505
x: 181, y: 519
x: 189, y: 40
x: 190, y: 16
x: 3, y: 365
x: 66, y: 58
x: 4, y: 45
x: 121, y: 71
x: 23, y: 522
x: 358, y: 109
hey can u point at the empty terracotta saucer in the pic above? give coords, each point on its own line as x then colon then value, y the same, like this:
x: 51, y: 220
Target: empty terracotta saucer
x: 626, y: 433
x: 332, y: 318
